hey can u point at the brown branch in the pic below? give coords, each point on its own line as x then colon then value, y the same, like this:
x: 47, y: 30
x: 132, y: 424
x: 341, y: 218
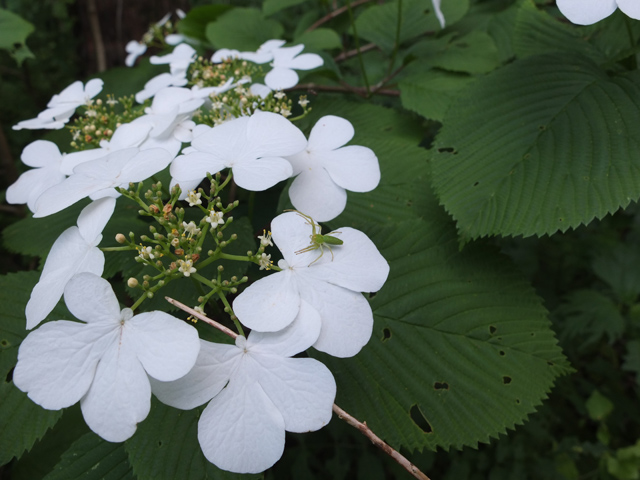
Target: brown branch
x: 378, y: 442
x: 94, y: 21
x: 352, y: 53
x: 334, y: 14
x: 361, y: 91
x: 364, y: 429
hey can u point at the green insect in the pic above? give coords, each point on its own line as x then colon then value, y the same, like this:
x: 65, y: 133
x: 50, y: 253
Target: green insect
x: 318, y: 241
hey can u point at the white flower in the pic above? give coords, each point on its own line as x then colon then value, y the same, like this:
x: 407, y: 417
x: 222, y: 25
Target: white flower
x: 191, y: 228
x: 252, y: 147
x: 193, y: 198
x: 134, y: 49
x: 63, y: 105
x: 179, y: 60
x: 285, y: 61
x: 257, y: 393
x: 97, y: 178
x: 325, y: 169
x: 264, y: 54
x: 265, y: 239
x: 186, y: 267
x: 47, y: 160
x: 159, y: 82
x: 75, y: 251
x: 587, y: 12
x: 265, y: 262
x: 330, y: 284
x: 174, y: 39
x: 146, y: 253
x: 104, y: 362
x: 215, y: 218
x: 259, y: 90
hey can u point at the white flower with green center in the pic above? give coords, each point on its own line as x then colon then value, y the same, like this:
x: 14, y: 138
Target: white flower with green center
x: 256, y: 392
x: 193, y: 198
x: 215, y: 218
x: 146, y: 253
x: 105, y: 363
x: 330, y: 284
x: 286, y: 60
x: 265, y: 239
x: 186, y: 267
x: 265, y: 262
x: 587, y: 12
x: 325, y: 169
x: 191, y: 228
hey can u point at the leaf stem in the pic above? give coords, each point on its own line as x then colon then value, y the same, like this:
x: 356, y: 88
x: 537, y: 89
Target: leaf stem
x: 333, y: 14
x: 357, y: 40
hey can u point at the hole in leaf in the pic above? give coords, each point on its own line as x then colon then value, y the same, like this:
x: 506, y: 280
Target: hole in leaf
x: 542, y: 127
x: 518, y: 401
x: 159, y: 443
x: 388, y: 129
x: 492, y: 329
x: 533, y: 334
x: 386, y: 334
x: 551, y: 364
x: 419, y: 420
x: 502, y: 353
x: 441, y: 386
x: 409, y: 203
x: 9, y: 376
x: 476, y: 184
x: 506, y: 380
x: 4, y: 342
x: 447, y: 150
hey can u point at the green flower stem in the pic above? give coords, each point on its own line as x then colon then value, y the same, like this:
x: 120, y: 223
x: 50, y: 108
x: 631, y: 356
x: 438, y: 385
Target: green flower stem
x: 118, y: 249
x: 357, y: 40
x: 224, y: 184
x: 211, y: 259
x: 238, y: 258
x: 233, y: 315
x: 205, y: 281
x: 139, y: 301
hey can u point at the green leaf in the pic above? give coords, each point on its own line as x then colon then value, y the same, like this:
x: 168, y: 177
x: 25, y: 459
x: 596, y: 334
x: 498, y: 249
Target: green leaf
x: 195, y: 23
x: 319, y: 39
x: 536, y: 32
x: 544, y: 144
x: 632, y: 358
x: 22, y: 422
x: 431, y: 93
x: 92, y: 458
x: 14, y: 31
x: 243, y: 29
x: 269, y: 7
x: 475, y: 52
x: 166, y: 447
x: 620, y: 269
x: 598, y: 406
x: 460, y: 338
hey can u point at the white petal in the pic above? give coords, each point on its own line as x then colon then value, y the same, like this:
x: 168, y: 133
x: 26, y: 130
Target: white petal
x: 94, y: 217
x: 329, y: 133
x: 41, y: 153
x: 166, y: 347
x: 145, y: 164
x: 280, y: 78
x: 258, y: 175
x: 270, y: 304
x: 90, y: 298
x: 261, y: 90
x: 223, y: 54
x: 291, y: 233
x: 356, y: 264
x: 302, y: 389
x: 31, y: 184
x: 347, y: 319
x: 213, y: 368
x: 295, y: 338
x: 306, y: 61
x: 586, y: 12
x: 630, y: 8
x: 70, y: 254
x: 68, y: 192
x: 93, y: 88
x: 353, y: 167
x: 73, y: 159
x: 74, y: 93
x: 273, y: 135
x: 226, y: 142
x: 271, y: 45
x: 57, y: 362
x: 195, y: 166
x: 241, y: 430
x: 314, y: 193
x: 120, y: 396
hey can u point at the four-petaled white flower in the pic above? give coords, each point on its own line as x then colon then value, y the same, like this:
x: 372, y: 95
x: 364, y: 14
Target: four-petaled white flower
x: 215, y: 218
x: 179, y: 60
x: 587, y: 12
x: 106, y: 362
x: 331, y: 284
x: 325, y: 169
x: 63, y: 105
x: 75, y: 251
x: 134, y: 50
x: 253, y: 147
x: 285, y: 61
x: 257, y: 393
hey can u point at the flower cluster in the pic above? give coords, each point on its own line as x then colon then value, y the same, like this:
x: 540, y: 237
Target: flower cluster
x: 209, y: 125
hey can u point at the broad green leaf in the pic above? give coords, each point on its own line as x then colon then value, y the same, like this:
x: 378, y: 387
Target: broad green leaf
x: 243, y: 29
x: 431, y: 93
x: 14, y: 31
x: 22, y: 422
x: 475, y: 52
x: 598, y: 406
x: 92, y: 458
x: 195, y: 23
x: 544, y: 144
x: 501, y: 28
x: 620, y: 269
x: 459, y: 334
x: 269, y: 7
x: 165, y: 446
x: 319, y: 39
x: 536, y: 32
